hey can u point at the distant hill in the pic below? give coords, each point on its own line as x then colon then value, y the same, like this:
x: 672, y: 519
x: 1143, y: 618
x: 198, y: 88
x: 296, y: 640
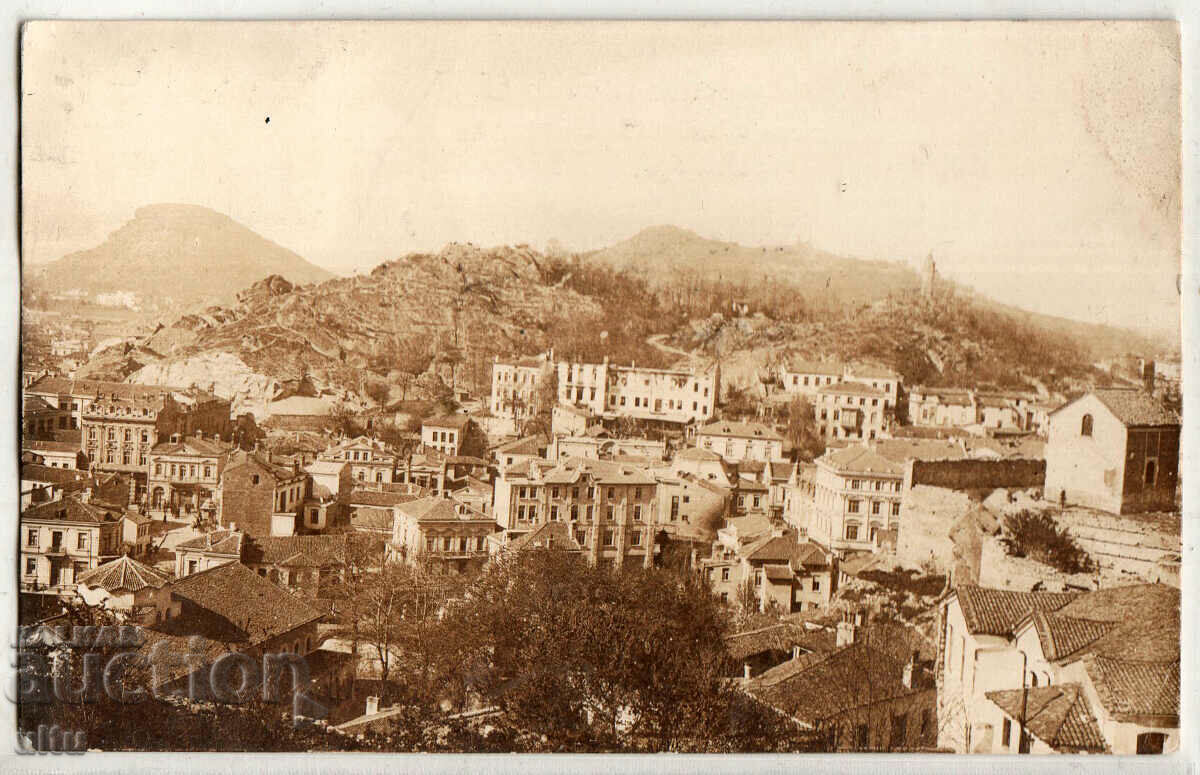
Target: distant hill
x: 173, y: 256
x: 826, y: 280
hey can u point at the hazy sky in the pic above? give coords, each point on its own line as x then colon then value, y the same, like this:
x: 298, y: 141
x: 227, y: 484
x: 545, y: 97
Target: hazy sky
x: 1038, y: 161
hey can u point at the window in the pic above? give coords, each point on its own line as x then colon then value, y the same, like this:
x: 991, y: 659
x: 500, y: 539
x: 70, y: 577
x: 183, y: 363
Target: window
x: 635, y: 538
x: 724, y: 574
x: 553, y: 492
x: 852, y: 506
x: 611, y: 493
x: 31, y: 538
x: 816, y: 585
x: 1151, y: 742
x: 855, y: 484
x: 875, y: 507
x: 554, y: 513
x: 895, y: 509
x: 609, y: 537
x: 1006, y: 733
x: 1151, y: 473
x: 30, y: 566
x: 254, y: 479
x: 851, y: 532
x: 608, y: 512
x: 1085, y: 425
x: 862, y: 738
x: 81, y: 541
x: 191, y: 568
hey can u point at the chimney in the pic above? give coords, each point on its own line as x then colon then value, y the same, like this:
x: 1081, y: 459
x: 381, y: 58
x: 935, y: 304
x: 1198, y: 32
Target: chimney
x: 746, y: 670
x: 199, y: 433
x: 1148, y: 375
x: 86, y: 495
x: 795, y: 652
x: 372, y: 705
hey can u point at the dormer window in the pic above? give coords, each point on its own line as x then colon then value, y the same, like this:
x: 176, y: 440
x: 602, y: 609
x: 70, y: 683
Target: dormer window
x: 1085, y: 425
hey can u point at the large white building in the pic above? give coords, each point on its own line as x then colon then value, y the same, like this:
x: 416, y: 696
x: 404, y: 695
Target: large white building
x: 853, y: 410
x: 677, y: 396
x: 856, y: 498
x: 808, y: 377
x: 516, y: 386
x: 736, y: 441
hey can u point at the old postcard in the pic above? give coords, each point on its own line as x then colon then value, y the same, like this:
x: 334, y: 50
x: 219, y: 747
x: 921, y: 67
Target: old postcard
x: 600, y: 387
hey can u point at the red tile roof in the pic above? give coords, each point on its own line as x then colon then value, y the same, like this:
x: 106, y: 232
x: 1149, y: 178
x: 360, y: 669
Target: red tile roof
x: 310, y: 551
x: 779, y: 637
x: 997, y: 611
x: 1128, y: 688
x: 70, y: 509
x: 125, y: 574
x: 1059, y: 716
x: 252, y: 606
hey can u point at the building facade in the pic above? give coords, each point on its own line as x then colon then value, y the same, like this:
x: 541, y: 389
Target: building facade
x: 61, y: 540
x: 669, y: 396
x: 369, y: 460
x: 852, y: 410
x: 736, y: 441
x: 856, y: 497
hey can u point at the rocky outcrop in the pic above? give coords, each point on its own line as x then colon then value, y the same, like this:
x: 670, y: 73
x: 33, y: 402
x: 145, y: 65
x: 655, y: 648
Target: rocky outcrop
x: 222, y: 373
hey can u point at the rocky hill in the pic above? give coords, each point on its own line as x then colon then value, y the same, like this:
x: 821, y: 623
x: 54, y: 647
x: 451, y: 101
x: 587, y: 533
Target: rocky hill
x: 443, y: 316
x: 174, y: 256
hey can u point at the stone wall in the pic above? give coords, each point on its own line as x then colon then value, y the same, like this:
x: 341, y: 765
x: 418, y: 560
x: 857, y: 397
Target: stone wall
x: 975, y: 474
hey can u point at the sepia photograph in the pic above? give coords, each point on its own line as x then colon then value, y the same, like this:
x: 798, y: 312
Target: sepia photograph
x: 600, y: 387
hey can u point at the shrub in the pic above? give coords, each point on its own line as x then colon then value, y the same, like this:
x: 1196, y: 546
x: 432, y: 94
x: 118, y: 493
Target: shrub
x: 1038, y: 536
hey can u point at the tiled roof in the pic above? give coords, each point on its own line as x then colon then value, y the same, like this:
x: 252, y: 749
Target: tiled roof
x: 1062, y: 636
x: 872, y: 371
x: 190, y: 445
x: 435, y: 509
x: 530, y: 445
x: 903, y: 450
x: 1128, y: 688
x: 858, y: 459
x: 70, y: 509
x: 379, y: 498
x: 603, y: 471
x: 852, y: 388
x: 739, y: 430
x: 548, y: 535
x: 280, y: 472
x: 1143, y: 621
x: 310, y: 551
x: 1059, y: 716
x: 1136, y: 407
x: 781, y: 470
x: 951, y: 396
x: 90, y: 388
x: 779, y: 637
x: 41, y: 445
x: 217, y: 542
x: 371, y: 518
x: 749, y: 526
x: 696, y: 453
x: 823, y: 686
x: 990, y: 611
x: 124, y: 574
x: 325, y: 467
x: 32, y: 472
x: 449, y: 421
x: 253, y: 606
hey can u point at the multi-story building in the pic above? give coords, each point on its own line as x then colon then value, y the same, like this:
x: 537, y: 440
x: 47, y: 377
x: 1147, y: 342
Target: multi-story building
x: 444, y: 434
x: 942, y: 407
x: 261, y: 496
x: 217, y: 547
x: 736, y: 441
x: 856, y: 497
x: 55, y: 454
x: 665, y: 395
x: 369, y: 460
x: 852, y: 410
x: 1067, y: 672
x: 439, y: 529
x: 808, y: 377
x: 1116, y: 450
x: 183, y: 475
x: 610, y: 507
x: 516, y: 387
x: 309, y: 565
x: 781, y: 571
x: 63, y: 539
x: 601, y: 446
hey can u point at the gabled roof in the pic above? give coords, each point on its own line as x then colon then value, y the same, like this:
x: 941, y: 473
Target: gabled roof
x: 309, y: 551
x: 951, y: 396
x: 252, y: 606
x: 530, y: 445
x: 857, y: 459
x: 990, y: 611
x: 1060, y: 716
x: 779, y: 637
x: 548, y: 535
x: 42, y: 445
x: 32, y: 472
x: 190, y: 445
x: 71, y: 509
x: 1135, y: 407
x: 1128, y: 688
x: 852, y: 388
x: 239, y: 458
x: 90, y: 388
x: 871, y: 371
x: 124, y: 574
x: 458, y: 421
x: 435, y: 509
x: 573, y: 470
x: 372, y: 518
x: 217, y: 542
x: 326, y: 467
x: 1061, y: 636
x: 378, y: 498
x: 696, y: 453
x: 739, y: 430
x: 781, y: 470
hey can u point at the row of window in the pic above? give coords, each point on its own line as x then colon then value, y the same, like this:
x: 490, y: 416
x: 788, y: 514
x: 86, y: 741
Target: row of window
x: 608, y: 538
x: 183, y: 470
x: 452, y: 543
x: 33, y: 537
x: 111, y: 434
x: 853, y: 506
x: 110, y: 456
x: 530, y: 492
x: 877, y: 484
